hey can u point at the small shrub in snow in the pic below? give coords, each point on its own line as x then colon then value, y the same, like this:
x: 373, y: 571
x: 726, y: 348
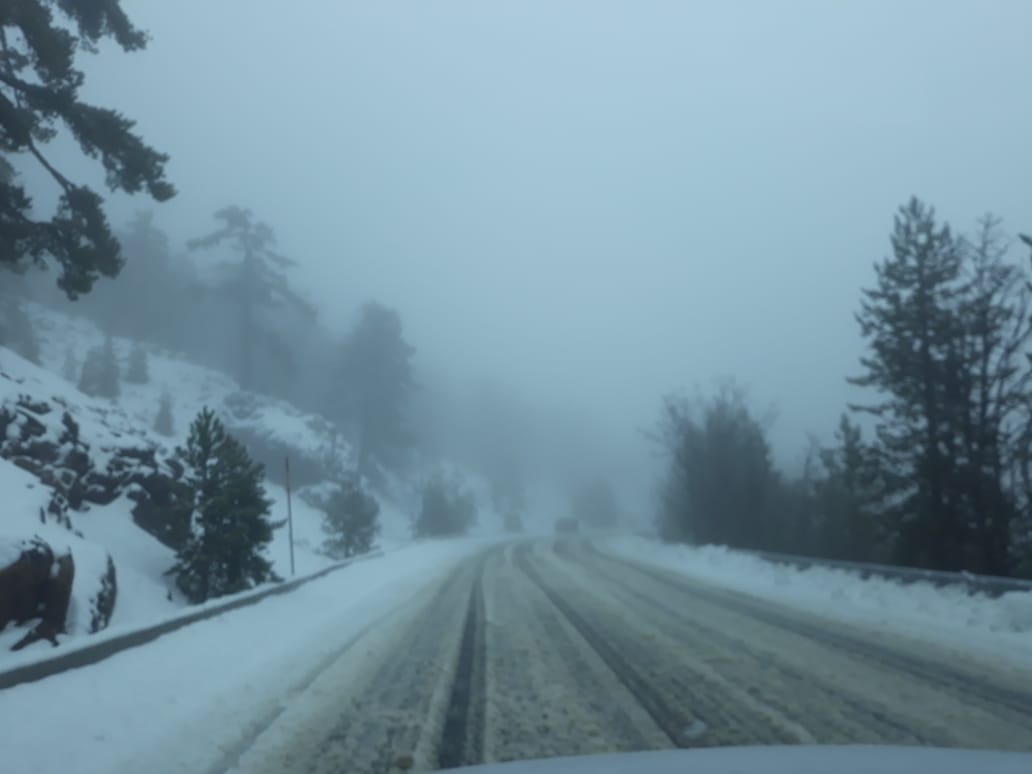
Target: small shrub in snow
x: 230, y: 528
x: 103, y: 604
x: 138, y: 371
x: 163, y: 422
x: 100, y: 377
x: 351, y: 523
x: 447, y: 508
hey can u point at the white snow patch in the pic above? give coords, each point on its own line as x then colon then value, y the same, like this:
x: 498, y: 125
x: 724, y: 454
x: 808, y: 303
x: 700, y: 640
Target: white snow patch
x: 10, y: 549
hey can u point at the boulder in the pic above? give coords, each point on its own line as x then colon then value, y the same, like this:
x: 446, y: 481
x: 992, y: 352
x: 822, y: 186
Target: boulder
x: 37, y: 584
x: 57, y: 594
x: 22, y: 582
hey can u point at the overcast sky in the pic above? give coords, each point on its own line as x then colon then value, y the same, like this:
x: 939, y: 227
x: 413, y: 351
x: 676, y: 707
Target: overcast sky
x: 593, y: 202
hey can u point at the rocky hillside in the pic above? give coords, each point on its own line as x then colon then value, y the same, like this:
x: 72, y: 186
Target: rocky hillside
x: 92, y: 479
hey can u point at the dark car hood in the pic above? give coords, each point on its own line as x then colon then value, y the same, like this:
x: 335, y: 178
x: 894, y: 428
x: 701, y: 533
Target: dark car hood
x: 859, y: 759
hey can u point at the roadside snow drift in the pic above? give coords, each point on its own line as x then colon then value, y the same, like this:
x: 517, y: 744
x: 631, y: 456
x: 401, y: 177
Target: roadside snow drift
x: 997, y: 628
x: 180, y: 703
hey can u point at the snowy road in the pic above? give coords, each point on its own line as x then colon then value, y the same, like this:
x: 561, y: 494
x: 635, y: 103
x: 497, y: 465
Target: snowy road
x: 551, y: 647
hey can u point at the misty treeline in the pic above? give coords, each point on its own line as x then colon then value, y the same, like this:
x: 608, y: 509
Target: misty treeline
x: 233, y: 308
x: 222, y: 298
x: 226, y: 301
x: 934, y: 470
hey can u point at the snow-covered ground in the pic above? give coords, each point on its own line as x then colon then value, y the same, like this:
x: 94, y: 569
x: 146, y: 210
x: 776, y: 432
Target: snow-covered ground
x: 181, y: 699
x: 145, y: 594
x: 1000, y: 629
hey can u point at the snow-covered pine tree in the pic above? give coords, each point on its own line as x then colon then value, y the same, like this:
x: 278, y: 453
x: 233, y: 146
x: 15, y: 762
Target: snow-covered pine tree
x: 351, y: 520
x: 230, y: 528
x: 163, y: 422
x: 100, y: 375
x: 138, y: 371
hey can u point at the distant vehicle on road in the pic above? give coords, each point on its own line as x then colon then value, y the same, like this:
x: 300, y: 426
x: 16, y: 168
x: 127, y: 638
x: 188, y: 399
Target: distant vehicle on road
x: 567, y: 525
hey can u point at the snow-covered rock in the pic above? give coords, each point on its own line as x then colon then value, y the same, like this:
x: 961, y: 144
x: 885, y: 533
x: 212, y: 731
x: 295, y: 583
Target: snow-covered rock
x: 47, y: 582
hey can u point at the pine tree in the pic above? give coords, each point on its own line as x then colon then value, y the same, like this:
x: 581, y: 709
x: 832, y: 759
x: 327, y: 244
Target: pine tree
x: 372, y: 388
x: 39, y: 93
x: 100, y: 373
x: 720, y: 475
x: 230, y: 528
x: 163, y: 422
x: 849, y: 499
x: 986, y: 390
x: 910, y: 319
x: 351, y: 520
x: 1022, y: 464
x: 256, y: 283
x: 138, y: 371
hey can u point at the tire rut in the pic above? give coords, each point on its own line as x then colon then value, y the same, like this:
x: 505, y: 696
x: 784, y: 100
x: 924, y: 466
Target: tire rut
x: 665, y: 716
x: 384, y: 710
x: 810, y: 700
x: 993, y: 698
x: 996, y: 706
x: 462, y: 737
x: 661, y: 686
x: 549, y: 693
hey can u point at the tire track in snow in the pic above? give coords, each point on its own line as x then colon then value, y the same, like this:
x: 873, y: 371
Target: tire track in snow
x: 827, y: 712
x: 674, y: 722
x: 549, y: 693
x: 462, y: 737
x: 709, y: 710
x: 382, y: 708
x: 929, y: 675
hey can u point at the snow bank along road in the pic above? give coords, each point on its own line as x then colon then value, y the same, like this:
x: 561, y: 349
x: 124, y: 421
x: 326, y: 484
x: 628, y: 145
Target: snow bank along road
x: 552, y: 648
x: 460, y: 652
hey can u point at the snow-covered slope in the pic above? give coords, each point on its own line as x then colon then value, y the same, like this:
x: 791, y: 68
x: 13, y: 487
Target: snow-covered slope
x: 272, y: 429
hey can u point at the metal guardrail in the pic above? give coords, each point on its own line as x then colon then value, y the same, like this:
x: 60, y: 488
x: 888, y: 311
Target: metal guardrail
x: 98, y: 651
x: 991, y: 585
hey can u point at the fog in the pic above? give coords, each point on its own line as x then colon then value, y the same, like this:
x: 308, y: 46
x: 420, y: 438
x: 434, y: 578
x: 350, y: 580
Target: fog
x: 592, y: 204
